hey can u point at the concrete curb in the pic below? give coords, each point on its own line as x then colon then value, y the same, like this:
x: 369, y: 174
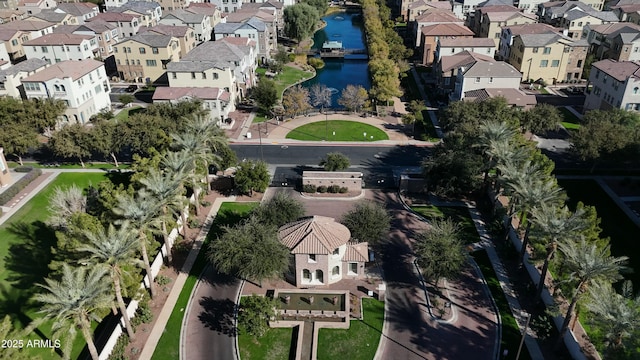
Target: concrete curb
x: 236, y: 353
x: 362, y: 193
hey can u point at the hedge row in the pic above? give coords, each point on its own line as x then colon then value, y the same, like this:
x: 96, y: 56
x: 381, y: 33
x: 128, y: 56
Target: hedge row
x: 14, y: 189
x: 334, y: 189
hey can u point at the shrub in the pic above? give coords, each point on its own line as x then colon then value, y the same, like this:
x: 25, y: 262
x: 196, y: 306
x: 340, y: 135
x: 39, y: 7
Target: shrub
x: 193, y: 223
x: 14, y: 189
x: 118, y: 352
x: 343, y: 190
x: 205, y: 203
x: 143, y: 314
x: 23, y: 169
x: 334, y: 189
x: 309, y: 188
x: 291, y: 57
x: 322, y: 189
x: 162, y: 280
x: 316, y: 63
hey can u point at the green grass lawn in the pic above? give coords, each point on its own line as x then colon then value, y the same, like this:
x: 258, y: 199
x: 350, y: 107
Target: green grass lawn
x: 87, y: 165
x: 289, y: 76
x: 124, y: 114
x: 275, y: 344
x: 360, y: 341
x: 169, y: 345
x: 510, y: 331
x: 570, y: 121
x: 25, y: 252
x: 459, y: 215
x: 344, y: 131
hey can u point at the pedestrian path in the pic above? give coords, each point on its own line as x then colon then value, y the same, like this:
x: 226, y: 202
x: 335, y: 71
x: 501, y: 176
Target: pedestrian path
x: 423, y: 95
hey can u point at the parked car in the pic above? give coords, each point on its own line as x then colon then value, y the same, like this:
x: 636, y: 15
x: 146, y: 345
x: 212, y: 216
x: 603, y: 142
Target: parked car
x: 132, y: 88
x: 574, y: 90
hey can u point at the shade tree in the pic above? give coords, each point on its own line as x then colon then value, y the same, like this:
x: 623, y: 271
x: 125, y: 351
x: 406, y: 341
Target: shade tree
x: 368, y: 221
x: 251, y: 176
x: 335, y: 161
x: 439, y: 250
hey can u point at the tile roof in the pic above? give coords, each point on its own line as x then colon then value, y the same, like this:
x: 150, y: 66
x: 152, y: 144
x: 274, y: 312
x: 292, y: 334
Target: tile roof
x: 497, y: 8
x: 203, y: 8
x: 226, y: 28
x: 113, y: 17
x: 27, y: 25
x: 151, y: 39
x: 534, y: 40
x: 448, y: 29
x: 78, y: 9
x: 314, y: 235
x: 239, y: 41
x: 514, y: 97
x: 497, y: 69
x: 534, y: 28
x: 509, y: 15
x: 8, y: 34
x: 445, y: 5
x: 200, y: 59
x: 73, y: 69
x: 467, y: 41
x: 185, y: 16
x: 98, y: 26
x: 464, y: 58
x: 619, y: 70
x: 58, y: 39
x: 243, y: 14
x: 173, y: 30
x: 438, y: 16
x: 357, y: 252
x: 49, y: 15
x: 177, y: 93
x: 607, y: 29
x: 27, y: 65
x: 138, y: 6
x: 572, y: 10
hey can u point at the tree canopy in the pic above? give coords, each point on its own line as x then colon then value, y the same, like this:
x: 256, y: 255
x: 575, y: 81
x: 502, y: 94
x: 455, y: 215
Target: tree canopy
x: 252, y: 176
x: 353, y: 97
x: 300, y: 20
x: 335, y: 161
x: 279, y: 210
x: 368, y: 221
x: 296, y: 101
x: 265, y: 94
x: 440, y: 251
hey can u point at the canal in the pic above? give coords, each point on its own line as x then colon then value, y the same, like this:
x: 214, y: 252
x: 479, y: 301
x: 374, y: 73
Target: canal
x: 346, y: 27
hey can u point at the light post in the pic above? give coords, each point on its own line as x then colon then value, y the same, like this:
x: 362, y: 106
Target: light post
x: 260, y: 137
x: 524, y: 334
x: 529, y: 71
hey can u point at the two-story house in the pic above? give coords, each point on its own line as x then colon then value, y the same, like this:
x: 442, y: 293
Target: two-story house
x: 628, y: 13
x: 185, y: 34
x: 489, y: 20
x: 509, y: 32
x: 54, y: 48
x: 35, y: 6
x: 451, y: 46
x: 614, y: 84
x: 272, y: 7
x: 210, y: 9
x: 228, y: 6
x: 215, y: 100
x: 573, y: 16
x: 82, y: 85
x: 128, y: 24
x: 145, y: 57
x: 268, y: 17
x: 463, y: 8
x: 431, y: 17
x: 550, y: 57
x: 484, y: 74
x: 418, y: 7
x: 618, y: 41
x: 431, y: 34
x: 200, y: 23
x: 54, y: 17
x: 82, y: 11
x: 11, y: 77
x: 13, y: 40
x: 8, y: 4
x: 4, y: 54
x: 8, y: 15
x: 105, y: 33
x: 253, y: 29
x: 34, y: 28
x: 148, y: 12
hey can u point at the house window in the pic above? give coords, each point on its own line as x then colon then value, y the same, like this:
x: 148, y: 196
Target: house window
x: 306, y: 275
x: 215, y: 76
x: 142, y: 50
x: 336, y: 252
x: 335, y: 272
x: 44, y: 49
x: 174, y: 75
x: 204, y: 75
x: 193, y: 75
x: 312, y: 258
x: 544, y: 63
x: 152, y: 63
x: 547, y: 50
x: 14, y: 42
x: 319, y: 276
x: 477, y: 80
x: 635, y: 90
x: 579, y: 63
x: 555, y: 63
x: 353, y: 268
x: 115, y: 49
x: 490, y: 80
x: 154, y: 50
x: 535, y: 50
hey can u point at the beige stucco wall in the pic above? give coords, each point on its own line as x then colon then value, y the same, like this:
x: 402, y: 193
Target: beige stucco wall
x: 5, y: 175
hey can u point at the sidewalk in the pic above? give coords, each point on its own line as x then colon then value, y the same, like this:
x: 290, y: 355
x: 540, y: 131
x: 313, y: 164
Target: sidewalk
x: 423, y: 94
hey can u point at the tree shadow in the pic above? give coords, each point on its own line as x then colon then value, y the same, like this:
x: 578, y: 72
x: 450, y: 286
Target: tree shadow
x: 218, y: 315
x: 28, y: 260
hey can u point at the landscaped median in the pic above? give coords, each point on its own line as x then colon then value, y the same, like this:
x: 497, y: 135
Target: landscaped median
x: 459, y: 215
x: 337, y: 130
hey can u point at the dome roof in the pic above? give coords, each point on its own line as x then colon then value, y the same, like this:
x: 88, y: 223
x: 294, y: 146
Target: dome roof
x: 314, y: 235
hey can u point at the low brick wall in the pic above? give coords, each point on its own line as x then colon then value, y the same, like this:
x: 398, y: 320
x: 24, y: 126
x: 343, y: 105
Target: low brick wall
x: 350, y: 180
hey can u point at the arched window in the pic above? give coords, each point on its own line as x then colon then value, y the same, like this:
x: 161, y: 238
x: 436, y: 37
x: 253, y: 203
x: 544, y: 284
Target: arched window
x: 335, y: 271
x: 319, y: 276
x: 56, y: 87
x: 62, y: 88
x: 635, y: 90
x: 306, y: 275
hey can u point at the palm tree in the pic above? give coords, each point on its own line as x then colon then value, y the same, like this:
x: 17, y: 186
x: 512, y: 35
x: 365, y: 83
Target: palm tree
x: 553, y: 225
x: 72, y: 302
x: 492, y: 134
x: 141, y: 211
x: 209, y: 130
x: 178, y: 165
x: 618, y: 315
x: 64, y: 203
x: 114, y: 250
x: 587, y: 263
x: 167, y: 191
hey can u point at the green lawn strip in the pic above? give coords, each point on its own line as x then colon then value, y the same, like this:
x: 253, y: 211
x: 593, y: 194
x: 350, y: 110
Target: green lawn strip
x: 169, y: 344
x: 290, y: 76
x: 275, y: 344
x: 88, y: 165
x: 259, y: 118
x: 570, y: 126
x: 360, y: 341
x: 124, y: 114
x: 570, y: 120
x: 544, y: 91
x: 429, y: 129
x: 510, y: 331
x: 458, y: 214
x: 344, y: 131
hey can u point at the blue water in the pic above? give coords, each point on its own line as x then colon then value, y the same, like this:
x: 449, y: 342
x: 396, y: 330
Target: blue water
x: 338, y: 73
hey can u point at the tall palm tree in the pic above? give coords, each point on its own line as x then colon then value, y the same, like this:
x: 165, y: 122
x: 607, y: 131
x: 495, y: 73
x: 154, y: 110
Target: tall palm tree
x: 178, y: 165
x: 72, y: 302
x: 619, y: 316
x: 63, y: 203
x: 113, y: 249
x: 554, y: 225
x: 491, y: 134
x: 166, y: 190
x: 142, y: 212
x: 587, y: 263
x: 209, y: 130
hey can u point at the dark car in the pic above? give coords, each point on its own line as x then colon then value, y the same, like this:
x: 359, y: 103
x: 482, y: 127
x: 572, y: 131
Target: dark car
x: 132, y: 88
x: 575, y: 90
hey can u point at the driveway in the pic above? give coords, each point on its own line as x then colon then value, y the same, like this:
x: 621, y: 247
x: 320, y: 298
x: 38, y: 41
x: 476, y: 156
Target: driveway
x: 208, y: 330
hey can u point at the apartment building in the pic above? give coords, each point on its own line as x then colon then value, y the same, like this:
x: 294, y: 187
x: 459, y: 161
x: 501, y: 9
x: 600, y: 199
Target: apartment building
x: 509, y: 32
x: 431, y: 17
x: 128, y: 24
x: 8, y: 15
x: 452, y: 46
x: 268, y: 17
x: 34, y: 28
x: 253, y: 28
x: 105, y: 33
x: 148, y: 12
x: 30, y: 7
x: 216, y: 101
x: 573, y: 16
x: 210, y: 9
x: 618, y: 41
x: 82, y: 11
x: 418, y: 7
x: 12, y: 40
x: 83, y: 85
x: 431, y: 34
x: 11, y: 77
x: 54, y: 48
x: 489, y: 20
x: 200, y: 23
x: 145, y: 57
x: 616, y: 84
x: 183, y: 33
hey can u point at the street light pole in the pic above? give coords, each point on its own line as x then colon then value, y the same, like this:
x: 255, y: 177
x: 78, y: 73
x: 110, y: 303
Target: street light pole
x: 524, y: 334
x: 260, y: 137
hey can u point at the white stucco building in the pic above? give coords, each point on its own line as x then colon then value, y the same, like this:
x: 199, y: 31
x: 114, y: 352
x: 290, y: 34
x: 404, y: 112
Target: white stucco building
x: 616, y: 84
x: 57, y: 47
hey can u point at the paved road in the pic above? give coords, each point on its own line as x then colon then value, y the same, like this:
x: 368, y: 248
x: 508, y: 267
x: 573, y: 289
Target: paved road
x: 208, y: 328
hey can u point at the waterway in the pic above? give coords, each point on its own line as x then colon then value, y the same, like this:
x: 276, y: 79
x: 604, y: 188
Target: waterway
x: 338, y: 73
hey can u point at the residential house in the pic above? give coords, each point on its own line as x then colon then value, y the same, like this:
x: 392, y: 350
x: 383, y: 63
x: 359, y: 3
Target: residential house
x: 412, y: 8
x: 322, y: 252
x: 619, y: 41
x: 112, y: 4
x: 484, y: 74
x: 34, y: 28
x: 54, y: 48
x: 128, y: 24
x: 4, y: 54
x: 628, y: 13
x: 200, y: 23
x: 573, y: 16
x: 268, y: 17
x: 489, y: 20
x: 183, y: 33
x: 83, y: 85
x: 11, y: 78
x: 514, y: 97
x: 228, y: 6
x: 550, y: 57
x: 450, y: 46
x: 12, y: 40
x: 82, y: 11
x: 615, y: 84
x: 431, y: 17
x: 7, y: 15
x: 215, y: 100
x: 54, y: 17
x: 253, y: 28
x: 210, y: 9
x: 149, y: 12
x: 8, y: 4
x: 275, y: 8
x: 145, y: 57
x: 431, y: 34
x: 463, y: 8
x: 232, y: 69
x: 30, y: 7
x: 508, y: 33
x: 105, y: 33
